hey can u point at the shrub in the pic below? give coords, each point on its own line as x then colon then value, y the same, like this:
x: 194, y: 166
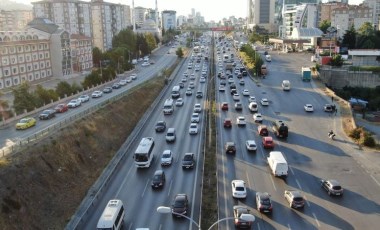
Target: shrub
x: 355, y: 133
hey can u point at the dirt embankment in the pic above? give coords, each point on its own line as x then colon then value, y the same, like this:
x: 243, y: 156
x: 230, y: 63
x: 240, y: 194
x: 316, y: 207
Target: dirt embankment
x: 42, y: 186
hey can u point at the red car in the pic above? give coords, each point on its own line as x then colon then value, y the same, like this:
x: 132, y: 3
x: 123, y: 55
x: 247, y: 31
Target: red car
x: 227, y: 123
x: 224, y: 106
x: 268, y: 143
x: 61, y: 108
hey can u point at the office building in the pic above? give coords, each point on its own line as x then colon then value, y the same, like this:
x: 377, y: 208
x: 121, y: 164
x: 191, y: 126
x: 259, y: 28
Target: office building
x: 14, y: 19
x: 261, y: 13
x: 169, y: 19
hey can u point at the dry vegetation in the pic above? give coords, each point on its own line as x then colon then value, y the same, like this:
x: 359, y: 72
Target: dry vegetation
x: 42, y: 186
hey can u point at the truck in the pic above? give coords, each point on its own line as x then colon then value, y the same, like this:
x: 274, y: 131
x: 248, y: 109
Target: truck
x: 280, y: 129
x: 306, y: 74
x: 277, y: 163
x: 168, y: 106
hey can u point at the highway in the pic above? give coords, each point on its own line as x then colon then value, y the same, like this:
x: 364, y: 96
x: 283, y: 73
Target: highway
x: 311, y: 156
x: 9, y: 135
x: 133, y: 185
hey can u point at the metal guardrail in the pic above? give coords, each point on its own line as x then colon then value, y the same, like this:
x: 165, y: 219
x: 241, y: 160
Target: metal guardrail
x: 99, y: 186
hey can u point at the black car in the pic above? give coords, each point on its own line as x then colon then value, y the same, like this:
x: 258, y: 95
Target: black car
x: 233, y: 86
x: 239, y: 210
x: 158, y: 180
x: 160, y: 126
x: 230, y: 147
x: 181, y: 84
x: 107, y: 90
x: 199, y: 94
x: 332, y: 187
x: 188, y: 161
x: 263, y: 202
x: 47, y: 114
x: 180, y: 205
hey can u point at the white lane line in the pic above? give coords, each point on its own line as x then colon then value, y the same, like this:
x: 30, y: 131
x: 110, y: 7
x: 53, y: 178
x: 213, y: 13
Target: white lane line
x: 291, y: 170
x: 122, y: 186
x: 377, y: 182
x: 146, y: 185
x: 248, y: 181
x: 274, y: 186
x: 289, y: 227
x: 316, y: 219
x: 170, y: 187
x: 130, y: 226
x: 160, y: 227
x: 298, y: 183
x: 307, y: 202
x: 258, y: 226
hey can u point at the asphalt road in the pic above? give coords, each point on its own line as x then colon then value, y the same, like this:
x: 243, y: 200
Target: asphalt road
x: 9, y: 135
x: 310, y: 154
x: 133, y: 186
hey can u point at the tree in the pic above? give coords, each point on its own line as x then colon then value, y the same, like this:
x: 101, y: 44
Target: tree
x: 45, y: 96
x: 96, y: 56
x: 366, y: 38
x: 151, y: 41
x: 337, y: 60
x: 23, y: 99
x: 179, y: 52
x: 4, y: 109
x: 91, y: 80
x: 63, y: 88
x: 324, y: 25
x: 349, y: 38
x: 366, y: 29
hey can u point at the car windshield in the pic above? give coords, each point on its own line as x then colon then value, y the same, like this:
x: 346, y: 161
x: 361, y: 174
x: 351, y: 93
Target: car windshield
x: 265, y: 201
x: 157, y: 178
x: 188, y: 158
x: 298, y: 199
x: 337, y: 187
x: 240, y: 189
x: 166, y: 155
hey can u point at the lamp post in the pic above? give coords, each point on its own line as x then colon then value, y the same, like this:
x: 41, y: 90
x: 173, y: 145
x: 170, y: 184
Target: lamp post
x: 166, y: 210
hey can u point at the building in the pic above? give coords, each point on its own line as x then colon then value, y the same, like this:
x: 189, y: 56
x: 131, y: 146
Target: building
x: 345, y: 17
x: 181, y: 20
x: 326, y: 9
x: 169, y: 19
x: 375, y: 5
x: 14, y: 19
x: 81, y: 52
x: 261, y: 13
x: 299, y: 16
x: 150, y: 26
x: 140, y: 14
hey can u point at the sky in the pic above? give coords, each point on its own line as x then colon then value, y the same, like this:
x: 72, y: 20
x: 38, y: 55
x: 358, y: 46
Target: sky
x: 210, y: 9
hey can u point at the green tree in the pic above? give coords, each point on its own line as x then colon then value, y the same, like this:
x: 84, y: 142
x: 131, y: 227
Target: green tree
x: 151, y: 42
x: 337, y: 60
x: 4, y: 108
x: 366, y: 29
x: 91, y: 80
x: 96, y: 56
x: 23, y: 99
x: 324, y: 25
x: 63, y: 88
x: 349, y: 38
x: 179, y: 52
x: 45, y: 96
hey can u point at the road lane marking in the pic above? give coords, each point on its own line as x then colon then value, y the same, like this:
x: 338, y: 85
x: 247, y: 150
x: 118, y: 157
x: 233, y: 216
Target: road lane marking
x: 124, y: 181
x: 249, y: 183
x: 170, y: 186
x: 375, y: 180
x: 299, y: 185
x: 146, y: 185
x: 316, y: 219
x: 289, y: 227
x: 258, y: 226
x: 291, y: 170
x: 274, y: 186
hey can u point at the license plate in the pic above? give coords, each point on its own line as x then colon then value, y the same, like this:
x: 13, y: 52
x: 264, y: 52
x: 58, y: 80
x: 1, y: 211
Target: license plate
x: 338, y: 194
x: 266, y: 210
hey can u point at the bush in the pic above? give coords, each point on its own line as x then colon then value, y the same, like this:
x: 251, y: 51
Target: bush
x: 355, y: 133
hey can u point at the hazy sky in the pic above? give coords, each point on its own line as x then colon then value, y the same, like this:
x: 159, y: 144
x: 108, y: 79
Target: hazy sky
x: 210, y: 9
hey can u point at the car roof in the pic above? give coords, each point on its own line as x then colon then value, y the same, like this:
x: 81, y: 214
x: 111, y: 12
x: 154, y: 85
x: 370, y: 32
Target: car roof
x: 295, y: 193
x: 159, y: 172
x: 267, y: 138
x: 251, y: 142
x: 333, y: 182
x: 263, y: 195
x: 239, y: 183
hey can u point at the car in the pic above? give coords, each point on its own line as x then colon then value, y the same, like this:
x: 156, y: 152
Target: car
x: 123, y: 82
x: 328, y: 108
x: 223, y: 82
x: 264, y: 102
x: 25, y: 123
x: 193, y: 129
x: 236, y: 97
x: 238, y: 106
x: 332, y: 187
x: 170, y: 135
x: 294, y: 198
x: 257, y: 117
x: 158, y: 180
x: 181, y: 85
x: 190, y: 66
x: 191, y: 85
x: 185, y: 74
x: 245, y: 92
x: 184, y: 80
x: 107, y: 90
x: 133, y: 76
x: 233, y: 92
x: 96, y: 94
x: 309, y: 108
x: 192, y: 76
x: 202, y: 80
x: 189, y: 92
x: 240, y: 219
x: 240, y: 121
x: 74, y: 103
x: 166, y: 158
x: 252, y: 99
x: 179, y: 102
x: 180, y: 205
x: 263, y: 130
x: 61, y: 108
x: 227, y: 123
x: 47, y: 114
x: 241, y: 82
x: 188, y: 161
x: 232, y: 86
x: 263, y: 202
x: 222, y: 88
x: 268, y: 142
x: 238, y: 189
x: 84, y: 98
x: 160, y: 126
x: 197, y: 108
x: 116, y: 86
x: 230, y: 147
x: 145, y: 63
x: 199, y: 94
x: 195, y: 118
x: 251, y: 145
x: 230, y: 80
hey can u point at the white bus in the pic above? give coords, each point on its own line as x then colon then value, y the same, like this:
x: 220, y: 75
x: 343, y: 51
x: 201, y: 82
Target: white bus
x: 144, y: 153
x: 112, y: 216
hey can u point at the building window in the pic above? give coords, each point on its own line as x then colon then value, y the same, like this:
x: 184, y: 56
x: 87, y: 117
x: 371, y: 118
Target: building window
x: 6, y: 72
x: 22, y: 69
x: 48, y: 64
x: 35, y: 66
x: 35, y: 57
x: 46, y: 46
x: 13, y: 60
x: 47, y: 55
x: 19, y: 49
x: 8, y: 83
x: 21, y: 59
x: 41, y: 56
x: 5, y: 61
x: 42, y: 65
x: 29, y: 68
x: 40, y: 47
x: 12, y: 50
x: 27, y: 58
x: 27, y: 48
x: 34, y: 47
x: 14, y: 70
x: 15, y: 81
x: 4, y: 50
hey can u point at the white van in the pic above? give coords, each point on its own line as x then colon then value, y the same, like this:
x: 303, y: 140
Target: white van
x: 175, y: 91
x: 112, y: 216
x: 285, y: 85
x: 268, y: 58
x: 278, y: 164
x: 168, y: 106
x: 253, y: 107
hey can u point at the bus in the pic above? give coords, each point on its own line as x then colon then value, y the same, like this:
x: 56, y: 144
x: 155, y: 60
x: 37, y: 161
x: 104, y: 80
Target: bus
x: 112, y: 216
x: 144, y: 153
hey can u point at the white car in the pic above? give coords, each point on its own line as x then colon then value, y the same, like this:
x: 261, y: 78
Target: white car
x: 240, y: 121
x: 123, y: 82
x: 264, y: 102
x: 96, y: 94
x: 184, y: 79
x: 145, y: 63
x: 179, y: 102
x: 192, y: 76
x: 251, y: 145
x: 166, y: 158
x: 222, y: 88
x: 252, y: 99
x: 134, y: 76
x: 195, y: 118
x: 193, y: 129
x: 185, y: 74
x: 128, y: 79
x: 257, y: 117
x: 230, y: 80
x: 74, y: 103
x: 309, y: 108
x: 238, y: 189
x: 236, y: 97
x: 202, y: 80
x: 245, y: 92
x: 197, y: 108
x: 84, y: 98
x: 191, y: 85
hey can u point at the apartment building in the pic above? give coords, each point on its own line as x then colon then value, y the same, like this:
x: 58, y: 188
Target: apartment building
x: 14, y: 19
x: 299, y: 16
x: 169, y: 19
x: 81, y: 52
x: 375, y: 5
x: 261, y: 13
x: 140, y: 15
x: 325, y: 10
